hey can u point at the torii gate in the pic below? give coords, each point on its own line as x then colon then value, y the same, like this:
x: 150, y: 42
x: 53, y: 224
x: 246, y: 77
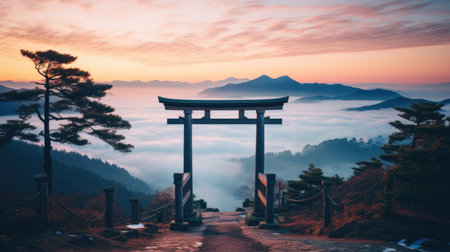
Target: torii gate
x: 184, y: 198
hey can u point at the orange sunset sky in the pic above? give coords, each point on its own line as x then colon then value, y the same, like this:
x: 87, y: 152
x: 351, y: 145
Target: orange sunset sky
x: 397, y: 41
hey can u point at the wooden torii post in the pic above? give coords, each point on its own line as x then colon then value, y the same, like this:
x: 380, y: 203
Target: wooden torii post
x: 187, y: 106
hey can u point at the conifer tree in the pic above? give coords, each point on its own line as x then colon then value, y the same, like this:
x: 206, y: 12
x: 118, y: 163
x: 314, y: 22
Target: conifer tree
x: 310, y: 182
x: 422, y: 116
x: 367, y: 165
x: 67, y: 103
x: 420, y: 154
x: 312, y: 176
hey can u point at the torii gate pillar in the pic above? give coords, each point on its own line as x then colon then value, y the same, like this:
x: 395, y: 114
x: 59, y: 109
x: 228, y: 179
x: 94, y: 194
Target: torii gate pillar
x: 187, y: 159
x: 259, y: 160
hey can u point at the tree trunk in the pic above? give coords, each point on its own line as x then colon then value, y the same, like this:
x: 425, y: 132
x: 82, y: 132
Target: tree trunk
x: 47, y: 143
x: 413, y: 146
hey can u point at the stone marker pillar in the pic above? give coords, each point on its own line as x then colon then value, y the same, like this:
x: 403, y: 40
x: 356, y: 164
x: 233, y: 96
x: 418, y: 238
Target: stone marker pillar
x: 178, y: 223
x: 270, y: 193
x: 42, y: 199
x: 109, y: 208
x: 135, y: 211
x: 178, y: 182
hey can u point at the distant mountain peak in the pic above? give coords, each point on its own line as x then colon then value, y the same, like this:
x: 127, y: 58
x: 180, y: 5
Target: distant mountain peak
x: 263, y: 77
x: 280, y: 86
x: 284, y: 77
x: 394, y: 103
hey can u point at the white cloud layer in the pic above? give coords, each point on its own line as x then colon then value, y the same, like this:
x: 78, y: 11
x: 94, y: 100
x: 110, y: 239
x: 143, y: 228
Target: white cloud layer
x: 158, y: 151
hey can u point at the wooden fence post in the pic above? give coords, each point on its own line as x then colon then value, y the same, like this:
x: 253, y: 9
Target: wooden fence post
x: 283, y: 200
x: 109, y: 211
x: 279, y: 193
x: 270, y: 193
x: 42, y: 199
x: 135, y: 211
x: 327, y: 210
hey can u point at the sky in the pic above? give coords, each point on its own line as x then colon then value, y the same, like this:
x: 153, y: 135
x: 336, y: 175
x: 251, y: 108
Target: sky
x: 396, y: 42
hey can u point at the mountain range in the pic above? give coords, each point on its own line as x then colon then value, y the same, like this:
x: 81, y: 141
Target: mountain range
x: 334, y: 156
x: 372, y: 94
x: 284, y: 85
x: 395, y: 103
x: 7, y: 108
x: 178, y: 84
x: 266, y: 86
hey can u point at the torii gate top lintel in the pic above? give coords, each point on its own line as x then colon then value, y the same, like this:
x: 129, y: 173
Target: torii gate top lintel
x: 261, y: 104
x: 207, y: 105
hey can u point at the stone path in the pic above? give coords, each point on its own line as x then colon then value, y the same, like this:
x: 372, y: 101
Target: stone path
x: 226, y: 232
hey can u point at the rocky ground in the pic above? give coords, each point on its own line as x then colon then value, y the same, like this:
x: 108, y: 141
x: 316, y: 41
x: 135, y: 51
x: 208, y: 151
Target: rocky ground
x: 219, y: 232
x: 226, y: 232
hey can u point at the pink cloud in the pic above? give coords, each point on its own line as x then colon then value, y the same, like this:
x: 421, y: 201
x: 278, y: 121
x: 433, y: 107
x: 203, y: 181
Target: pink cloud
x: 169, y: 33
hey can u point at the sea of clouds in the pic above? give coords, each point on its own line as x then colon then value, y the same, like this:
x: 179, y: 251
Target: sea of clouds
x: 158, y: 151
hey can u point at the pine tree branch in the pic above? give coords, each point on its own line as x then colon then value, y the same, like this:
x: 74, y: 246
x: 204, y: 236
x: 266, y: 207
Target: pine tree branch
x: 39, y: 70
x: 55, y: 139
x: 39, y: 115
x: 59, y: 118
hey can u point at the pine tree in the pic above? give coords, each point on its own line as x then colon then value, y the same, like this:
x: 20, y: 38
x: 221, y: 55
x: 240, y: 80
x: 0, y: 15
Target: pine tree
x: 420, y: 154
x: 67, y: 97
x: 313, y: 176
x: 310, y: 182
x: 367, y: 165
x: 335, y: 180
x: 422, y: 115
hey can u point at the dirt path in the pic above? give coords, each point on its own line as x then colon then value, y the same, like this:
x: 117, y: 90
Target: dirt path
x: 226, y: 232
x: 228, y: 237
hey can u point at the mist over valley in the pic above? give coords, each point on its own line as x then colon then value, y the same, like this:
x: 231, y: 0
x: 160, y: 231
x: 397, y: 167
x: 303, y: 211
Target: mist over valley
x: 319, y: 132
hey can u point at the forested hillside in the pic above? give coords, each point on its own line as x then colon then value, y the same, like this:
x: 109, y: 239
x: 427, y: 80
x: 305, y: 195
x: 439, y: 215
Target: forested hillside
x: 335, y: 156
x: 21, y: 161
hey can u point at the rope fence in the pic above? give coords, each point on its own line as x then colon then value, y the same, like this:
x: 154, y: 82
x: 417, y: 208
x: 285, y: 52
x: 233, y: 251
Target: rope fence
x: 356, y: 198
x: 329, y: 203
x: 303, y: 200
x: 27, y: 199
x: 98, y: 219
x: 145, y: 211
x: 38, y: 203
x: 157, y: 212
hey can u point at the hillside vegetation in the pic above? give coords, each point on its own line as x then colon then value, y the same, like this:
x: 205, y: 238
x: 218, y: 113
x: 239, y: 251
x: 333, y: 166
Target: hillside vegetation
x: 73, y: 173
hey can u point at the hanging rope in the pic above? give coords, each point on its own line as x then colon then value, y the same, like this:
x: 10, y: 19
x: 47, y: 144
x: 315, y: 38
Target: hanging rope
x: 16, y: 202
x: 99, y: 218
x: 157, y: 209
x: 355, y: 199
x: 27, y: 199
x: 303, y: 200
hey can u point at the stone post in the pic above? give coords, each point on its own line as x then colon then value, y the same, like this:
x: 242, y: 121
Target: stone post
x: 270, y: 193
x: 178, y: 182
x: 42, y: 199
x: 135, y: 211
x: 109, y: 210
x: 187, y: 165
x: 259, y: 161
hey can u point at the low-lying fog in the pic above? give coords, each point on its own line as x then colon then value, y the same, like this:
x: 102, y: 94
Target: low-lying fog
x: 158, y: 151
